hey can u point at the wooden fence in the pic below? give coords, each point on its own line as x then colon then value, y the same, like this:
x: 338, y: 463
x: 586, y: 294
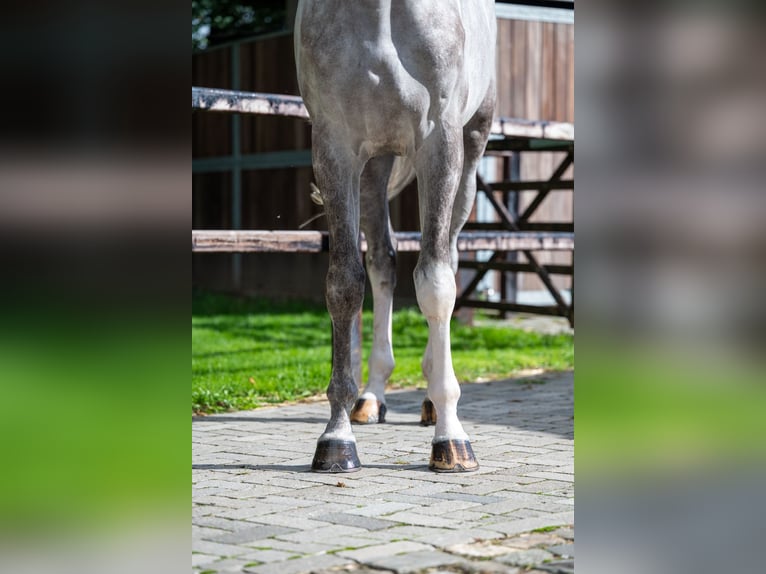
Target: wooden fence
x: 510, y: 134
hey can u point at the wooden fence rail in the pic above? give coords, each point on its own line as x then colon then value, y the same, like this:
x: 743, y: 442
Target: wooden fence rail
x: 259, y: 241
x: 233, y: 101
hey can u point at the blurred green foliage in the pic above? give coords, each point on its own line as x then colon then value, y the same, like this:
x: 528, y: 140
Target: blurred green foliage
x: 92, y: 429
x: 250, y: 352
x: 218, y: 21
x: 643, y: 408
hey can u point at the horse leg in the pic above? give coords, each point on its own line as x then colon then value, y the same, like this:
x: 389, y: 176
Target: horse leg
x: 337, y: 172
x: 381, y: 269
x: 438, y: 167
x: 475, y: 134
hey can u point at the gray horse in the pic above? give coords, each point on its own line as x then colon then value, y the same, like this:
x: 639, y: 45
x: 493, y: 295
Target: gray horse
x: 411, y: 80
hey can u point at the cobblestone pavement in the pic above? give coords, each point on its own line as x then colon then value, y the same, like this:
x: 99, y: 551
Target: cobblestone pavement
x: 257, y: 508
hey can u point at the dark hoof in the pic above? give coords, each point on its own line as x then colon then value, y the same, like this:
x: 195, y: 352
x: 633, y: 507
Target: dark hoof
x: 427, y: 413
x: 336, y: 456
x: 368, y: 411
x: 452, y: 456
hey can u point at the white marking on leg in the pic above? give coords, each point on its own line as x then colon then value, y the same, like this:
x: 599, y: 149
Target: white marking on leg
x: 435, y: 288
x: 381, y: 362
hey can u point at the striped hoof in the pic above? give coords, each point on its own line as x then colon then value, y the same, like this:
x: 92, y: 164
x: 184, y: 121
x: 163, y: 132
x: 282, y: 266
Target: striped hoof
x: 427, y: 413
x: 336, y: 456
x: 452, y: 456
x: 368, y: 411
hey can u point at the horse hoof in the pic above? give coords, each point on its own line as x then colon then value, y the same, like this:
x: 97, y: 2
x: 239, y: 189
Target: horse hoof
x: 368, y: 411
x: 427, y: 413
x: 336, y: 456
x: 452, y: 456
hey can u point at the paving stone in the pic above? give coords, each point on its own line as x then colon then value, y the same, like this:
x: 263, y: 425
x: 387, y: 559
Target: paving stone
x: 370, y: 553
x: 206, y: 533
x: 352, y: 568
x: 359, y: 521
x: 299, y: 565
x: 483, y: 567
x: 531, y: 557
x: 562, y: 567
x: 223, y: 524
x: 218, y: 549
x: 382, y: 509
x: 252, y: 533
x: 531, y: 539
x: 478, y: 499
x: 332, y: 532
x: 564, y: 477
x: 565, y: 533
x: 292, y: 502
x: 479, y: 550
x: 211, y: 500
x: 515, y: 501
x: 199, y: 559
x: 447, y: 537
x: 409, y: 517
x: 449, y: 508
x: 293, y: 522
x: 226, y: 566
x: 409, y: 498
x: 533, y: 523
x: 565, y: 550
x: 414, y: 561
x: 266, y: 556
x: 301, y: 547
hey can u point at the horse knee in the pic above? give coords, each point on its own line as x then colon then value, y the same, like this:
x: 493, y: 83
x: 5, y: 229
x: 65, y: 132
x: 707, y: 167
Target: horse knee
x: 344, y: 291
x: 381, y: 267
x: 435, y: 289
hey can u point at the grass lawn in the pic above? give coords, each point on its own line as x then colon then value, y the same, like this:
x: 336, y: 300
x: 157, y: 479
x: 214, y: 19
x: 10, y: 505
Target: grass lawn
x: 251, y: 352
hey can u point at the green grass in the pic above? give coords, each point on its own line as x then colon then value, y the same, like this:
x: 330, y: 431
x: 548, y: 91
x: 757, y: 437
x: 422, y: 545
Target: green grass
x: 252, y: 352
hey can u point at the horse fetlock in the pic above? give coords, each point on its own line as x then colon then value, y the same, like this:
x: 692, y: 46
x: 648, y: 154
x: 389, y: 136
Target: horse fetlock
x: 445, y: 396
x: 342, y: 391
x: 427, y: 413
x: 381, y: 364
x: 368, y: 410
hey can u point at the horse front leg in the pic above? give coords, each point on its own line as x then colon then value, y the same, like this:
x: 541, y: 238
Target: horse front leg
x: 439, y: 166
x: 338, y: 178
x: 475, y: 134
